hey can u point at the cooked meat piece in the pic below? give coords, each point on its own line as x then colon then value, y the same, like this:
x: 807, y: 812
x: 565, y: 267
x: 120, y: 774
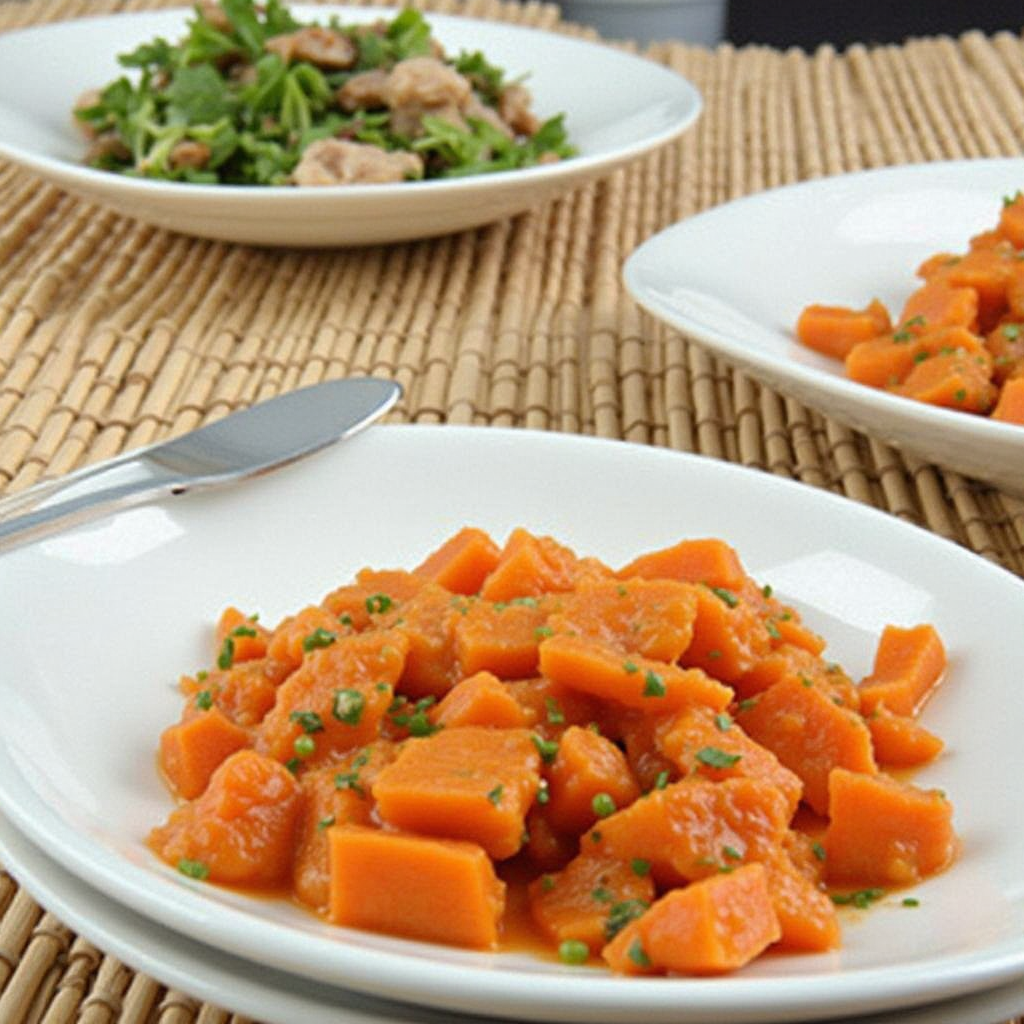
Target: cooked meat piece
x: 189, y: 153
x: 514, y: 107
x: 426, y: 82
x: 408, y: 121
x: 336, y: 162
x: 364, y: 91
x: 214, y: 14
x: 107, y: 144
x: 320, y: 46
x: 476, y: 108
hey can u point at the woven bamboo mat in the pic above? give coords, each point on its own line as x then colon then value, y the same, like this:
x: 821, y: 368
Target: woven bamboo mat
x: 114, y: 334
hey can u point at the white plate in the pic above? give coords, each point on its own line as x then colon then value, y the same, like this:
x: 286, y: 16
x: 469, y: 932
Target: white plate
x: 274, y: 997
x: 44, y: 70
x: 278, y: 998
x: 736, y: 278
x: 96, y: 625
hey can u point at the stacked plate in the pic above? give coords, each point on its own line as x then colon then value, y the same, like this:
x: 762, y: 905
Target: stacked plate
x: 96, y: 624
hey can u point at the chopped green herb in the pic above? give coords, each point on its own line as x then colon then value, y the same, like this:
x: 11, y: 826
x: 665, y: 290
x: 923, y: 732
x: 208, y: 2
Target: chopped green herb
x: 542, y: 632
x: 621, y: 914
x: 376, y: 604
x: 773, y: 630
x: 910, y: 901
x: 345, y: 619
x: 573, y: 952
x: 960, y: 394
x: 318, y: 638
x: 722, y: 722
x: 640, y: 867
x: 726, y: 595
x: 767, y: 590
x: 861, y: 898
x: 595, y: 836
x: 630, y: 667
x: 1010, y: 200
x: 715, y: 758
x: 226, y: 657
x: 201, y: 675
x: 310, y: 721
x: 654, y: 686
x: 714, y: 653
x: 547, y: 883
x: 193, y: 869
x: 1011, y: 331
x: 806, y: 681
x: 603, y: 805
x: 555, y: 714
x: 621, y: 590
x: 348, y: 706
x: 661, y: 780
x: 746, y: 704
x: 204, y: 700
x: 305, y: 746
x: 349, y: 780
x: 731, y: 853
x: 243, y: 631
x: 495, y: 795
x: 818, y: 850
x: 293, y: 764
x: 543, y: 794
x: 601, y: 895
x: 325, y: 823
x: 546, y: 748
x: 920, y: 357
x: 637, y: 955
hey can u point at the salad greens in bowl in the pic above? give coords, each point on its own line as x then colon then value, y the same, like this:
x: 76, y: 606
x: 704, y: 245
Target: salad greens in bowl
x: 252, y: 96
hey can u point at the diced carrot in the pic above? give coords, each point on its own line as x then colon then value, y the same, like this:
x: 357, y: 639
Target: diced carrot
x: 1011, y: 220
x: 587, y: 768
x: 245, y: 692
x: 695, y: 828
x: 899, y: 741
x: 1010, y: 407
x: 551, y: 708
x: 590, y: 899
x: 1005, y: 343
x: 192, y: 750
x: 807, y: 916
x: 530, y: 566
x: 461, y: 563
x: 886, y: 362
x: 471, y: 783
x: 710, y: 927
x: 241, y: 635
x: 339, y: 794
x: 908, y: 665
x: 652, y: 618
x: 954, y: 379
x: 388, y: 588
x: 986, y: 271
x: 500, y: 637
x: 834, y: 330
x: 696, y: 738
x: 438, y: 890
x: 709, y: 561
x: 291, y: 639
x: 651, y: 686
x: 809, y: 733
x: 788, y: 629
x: 547, y: 847
x: 336, y: 700
x: 729, y: 636
x: 241, y: 831
x: 884, y: 832
x: 987, y: 240
x: 427, y: 620
x: 937, y: 304
x: 482, y: 699
x: 795, y: 663
x: 937, y: 263
x: 1015, y: 292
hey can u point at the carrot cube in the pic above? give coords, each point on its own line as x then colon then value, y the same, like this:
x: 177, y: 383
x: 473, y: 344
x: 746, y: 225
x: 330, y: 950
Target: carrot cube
x: 461, y: 563
x: 586, y: 766
x: 884, y: 832
x: 908, y: 665
x: 834, y: 330
x: 807, y: 916
x: 530, y: 566
x: 500, y: 637
x: 438, y: 890
x: 471, y: 783
x: 729, y: 635
x: 809, y: 733
x: 709, y: 561
x: 938, y: 304
x: 653, y: 618
x: 482, y: 699
x: 191, y: 751
x: 900, y: 741
x: 1010, y: 407
x: 650, y: 686
x: 710, y: 927
x: 241, y: 635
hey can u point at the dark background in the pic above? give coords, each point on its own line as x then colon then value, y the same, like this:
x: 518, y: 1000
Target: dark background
x: 841, y: 22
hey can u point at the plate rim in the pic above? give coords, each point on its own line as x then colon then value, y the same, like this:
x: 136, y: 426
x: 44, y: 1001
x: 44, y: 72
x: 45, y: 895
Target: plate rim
x: 556, y: 994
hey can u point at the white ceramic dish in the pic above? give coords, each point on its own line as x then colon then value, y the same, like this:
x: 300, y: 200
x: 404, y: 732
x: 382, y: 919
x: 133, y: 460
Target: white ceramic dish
x: 278, y: 998
x: 96, y: 625
x: 274, y: 997
x: 736, y: 277
x: 43, y: 71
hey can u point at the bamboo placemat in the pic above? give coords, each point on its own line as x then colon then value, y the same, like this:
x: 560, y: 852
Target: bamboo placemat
x: 114, y: 335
